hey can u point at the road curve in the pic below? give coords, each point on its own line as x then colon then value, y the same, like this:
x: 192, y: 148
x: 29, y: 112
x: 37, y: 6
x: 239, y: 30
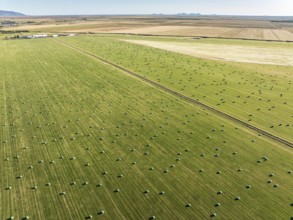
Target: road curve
x: 183, y: 97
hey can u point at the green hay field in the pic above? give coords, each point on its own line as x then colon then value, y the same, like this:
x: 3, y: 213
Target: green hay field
x: 80, y: 139
x: 261, y: 95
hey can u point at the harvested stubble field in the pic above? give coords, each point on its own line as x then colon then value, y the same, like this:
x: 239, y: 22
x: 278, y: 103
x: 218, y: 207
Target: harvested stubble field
x: 80, y: 140
x: 235, y: 53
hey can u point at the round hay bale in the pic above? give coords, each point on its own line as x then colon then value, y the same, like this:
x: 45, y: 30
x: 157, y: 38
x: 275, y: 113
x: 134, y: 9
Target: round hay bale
x: 213, y: 215
x: 102, y: 212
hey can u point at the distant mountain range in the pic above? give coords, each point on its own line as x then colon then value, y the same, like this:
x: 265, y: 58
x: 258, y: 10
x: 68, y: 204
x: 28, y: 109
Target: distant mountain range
x: 189, y: 14
x: 10, y: 14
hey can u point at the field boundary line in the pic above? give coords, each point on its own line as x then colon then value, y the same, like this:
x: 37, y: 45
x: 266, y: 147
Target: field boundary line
x: 181, y: 96
x: 197, y: 37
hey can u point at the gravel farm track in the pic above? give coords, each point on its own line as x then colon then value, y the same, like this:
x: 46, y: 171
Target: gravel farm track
x: 183, y: 97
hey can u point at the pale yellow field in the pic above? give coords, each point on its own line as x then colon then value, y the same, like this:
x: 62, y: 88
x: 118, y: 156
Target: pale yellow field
x: 246, y: 33
x: 176, y: 30
x: 235, y: 53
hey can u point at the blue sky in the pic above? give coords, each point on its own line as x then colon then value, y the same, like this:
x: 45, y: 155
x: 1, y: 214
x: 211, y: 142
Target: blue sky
x: 223, y: 7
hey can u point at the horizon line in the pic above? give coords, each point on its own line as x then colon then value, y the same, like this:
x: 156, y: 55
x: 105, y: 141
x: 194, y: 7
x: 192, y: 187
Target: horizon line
x: 182, y: 14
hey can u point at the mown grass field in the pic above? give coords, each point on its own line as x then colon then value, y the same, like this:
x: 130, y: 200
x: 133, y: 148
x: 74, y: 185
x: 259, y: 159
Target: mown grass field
x: 81, y: 139
x: 258, y: 94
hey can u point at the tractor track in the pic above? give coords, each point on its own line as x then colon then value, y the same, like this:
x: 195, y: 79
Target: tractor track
x: 183, y: 97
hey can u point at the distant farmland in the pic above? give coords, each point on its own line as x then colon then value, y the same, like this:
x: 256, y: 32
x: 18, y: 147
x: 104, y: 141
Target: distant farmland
x: 81, y: 139
x: 260, y: 28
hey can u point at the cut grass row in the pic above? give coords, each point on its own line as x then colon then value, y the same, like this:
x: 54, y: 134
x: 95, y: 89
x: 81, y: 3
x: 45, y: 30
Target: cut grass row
x: 258, y: 94
x: 80, y: 124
